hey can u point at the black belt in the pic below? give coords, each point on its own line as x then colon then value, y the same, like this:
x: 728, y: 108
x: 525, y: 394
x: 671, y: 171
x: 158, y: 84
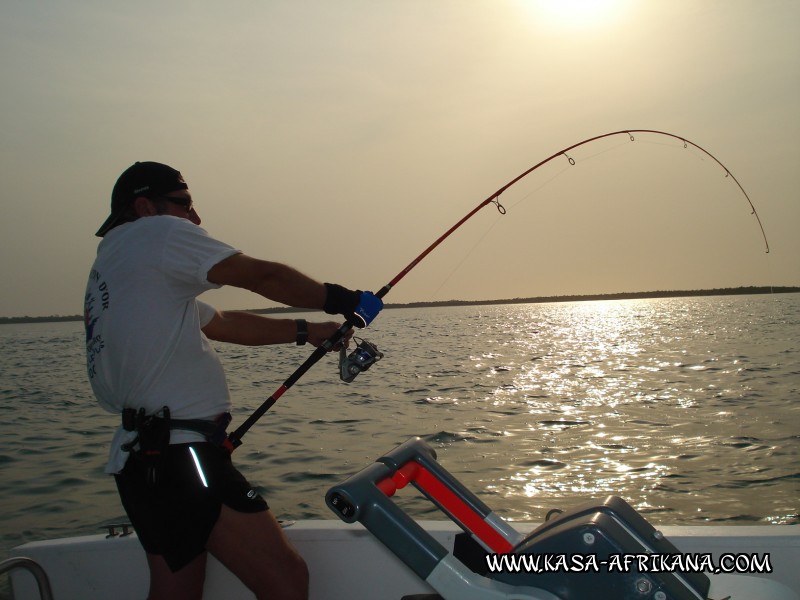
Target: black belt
x: 213, y: 430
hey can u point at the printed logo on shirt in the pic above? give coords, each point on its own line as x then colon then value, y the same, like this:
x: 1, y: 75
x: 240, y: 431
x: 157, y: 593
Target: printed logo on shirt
x: 96, y: 301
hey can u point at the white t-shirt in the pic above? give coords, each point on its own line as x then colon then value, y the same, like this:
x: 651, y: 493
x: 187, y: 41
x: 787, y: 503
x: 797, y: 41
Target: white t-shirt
x: 144, y: 344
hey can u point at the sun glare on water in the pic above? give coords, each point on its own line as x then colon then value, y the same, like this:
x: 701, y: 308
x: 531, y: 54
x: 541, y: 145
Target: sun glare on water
x: 576, y: 13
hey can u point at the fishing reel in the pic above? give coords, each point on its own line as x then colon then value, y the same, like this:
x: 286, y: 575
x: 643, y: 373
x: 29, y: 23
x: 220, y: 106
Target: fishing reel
x: 359, y: 360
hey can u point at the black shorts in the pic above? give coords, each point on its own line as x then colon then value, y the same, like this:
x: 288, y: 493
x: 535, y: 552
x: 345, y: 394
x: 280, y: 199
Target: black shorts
x: 174, y: 515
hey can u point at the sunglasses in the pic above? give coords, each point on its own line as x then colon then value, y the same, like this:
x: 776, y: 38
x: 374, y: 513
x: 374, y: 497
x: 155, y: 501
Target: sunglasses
x: 185, y: 202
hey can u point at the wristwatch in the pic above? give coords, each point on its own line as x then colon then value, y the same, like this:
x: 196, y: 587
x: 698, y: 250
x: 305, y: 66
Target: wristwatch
x: 302, y: 331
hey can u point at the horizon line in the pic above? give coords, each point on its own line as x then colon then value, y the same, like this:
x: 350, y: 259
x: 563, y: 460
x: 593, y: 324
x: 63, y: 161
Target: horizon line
x: 742, y: 290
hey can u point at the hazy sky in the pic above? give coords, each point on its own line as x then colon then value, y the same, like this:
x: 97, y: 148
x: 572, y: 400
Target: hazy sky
x: 344, y: 136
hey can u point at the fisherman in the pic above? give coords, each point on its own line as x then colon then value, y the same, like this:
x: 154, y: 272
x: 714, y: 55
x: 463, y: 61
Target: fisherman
x: 149, y: 359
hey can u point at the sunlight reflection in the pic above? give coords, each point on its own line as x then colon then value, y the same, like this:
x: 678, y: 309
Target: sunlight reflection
x: 590, y: 477
x: 600, y: 397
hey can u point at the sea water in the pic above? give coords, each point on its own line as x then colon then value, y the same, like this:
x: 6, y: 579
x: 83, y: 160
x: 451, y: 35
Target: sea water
x: 686, y: 407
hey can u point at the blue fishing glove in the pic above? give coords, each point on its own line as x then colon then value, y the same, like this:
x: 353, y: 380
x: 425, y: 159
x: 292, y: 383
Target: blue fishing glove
x: 359, y: 308
x: 369, y: 305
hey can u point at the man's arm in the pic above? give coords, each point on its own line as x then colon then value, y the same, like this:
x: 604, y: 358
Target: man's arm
x: 279, y: 282
x: 249, y: 329
x: 271, y: 280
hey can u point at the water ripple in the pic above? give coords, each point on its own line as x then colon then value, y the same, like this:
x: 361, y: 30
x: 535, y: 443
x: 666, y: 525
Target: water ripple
x: 686, y: 407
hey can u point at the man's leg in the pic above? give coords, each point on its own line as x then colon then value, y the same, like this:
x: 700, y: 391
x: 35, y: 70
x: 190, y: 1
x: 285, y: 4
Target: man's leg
x: 254, y: 547
x: 186, y: 584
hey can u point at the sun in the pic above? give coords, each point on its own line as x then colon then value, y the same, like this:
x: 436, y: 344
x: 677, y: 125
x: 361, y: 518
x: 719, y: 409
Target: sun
x: 576, y: 13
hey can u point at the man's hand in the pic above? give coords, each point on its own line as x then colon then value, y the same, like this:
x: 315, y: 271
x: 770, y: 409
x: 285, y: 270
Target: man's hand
x: 369, y: 305
x: 319, y: 332
x: 360, y: 308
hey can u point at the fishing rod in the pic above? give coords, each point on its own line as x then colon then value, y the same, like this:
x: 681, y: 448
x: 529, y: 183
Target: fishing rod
x: 370, y: 352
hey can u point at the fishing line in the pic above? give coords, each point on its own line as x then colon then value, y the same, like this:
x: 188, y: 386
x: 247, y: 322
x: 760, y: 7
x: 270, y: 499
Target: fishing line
x: 563, y: 170
x: 630, y: 133
x: 541, y: 187
x: 496, y: 221
x: 235, y: 439
x: 466, y: 256
x: 571, y: 161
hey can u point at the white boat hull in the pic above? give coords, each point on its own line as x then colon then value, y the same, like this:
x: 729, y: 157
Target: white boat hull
x: 347, y: 563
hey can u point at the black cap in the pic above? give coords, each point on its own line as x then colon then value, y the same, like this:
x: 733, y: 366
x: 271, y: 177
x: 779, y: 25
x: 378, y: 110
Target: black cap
x: 148, y: 179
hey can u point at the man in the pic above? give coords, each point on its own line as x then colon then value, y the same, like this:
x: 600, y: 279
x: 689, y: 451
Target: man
x: 149, y: 359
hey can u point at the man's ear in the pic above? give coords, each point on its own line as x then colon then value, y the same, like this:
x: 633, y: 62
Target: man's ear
x: 144, y: 207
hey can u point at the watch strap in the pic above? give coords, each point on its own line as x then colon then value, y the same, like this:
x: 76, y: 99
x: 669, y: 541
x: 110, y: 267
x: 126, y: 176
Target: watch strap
x: 302, y: 331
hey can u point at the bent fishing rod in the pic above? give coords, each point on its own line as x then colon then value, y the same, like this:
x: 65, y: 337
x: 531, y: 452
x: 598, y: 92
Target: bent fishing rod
x: 234, y: 439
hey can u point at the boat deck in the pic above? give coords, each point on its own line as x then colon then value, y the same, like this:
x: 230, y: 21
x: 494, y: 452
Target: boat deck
x: 346, y: 562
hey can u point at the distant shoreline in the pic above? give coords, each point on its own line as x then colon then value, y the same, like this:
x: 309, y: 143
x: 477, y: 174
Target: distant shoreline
x: 534, y: 300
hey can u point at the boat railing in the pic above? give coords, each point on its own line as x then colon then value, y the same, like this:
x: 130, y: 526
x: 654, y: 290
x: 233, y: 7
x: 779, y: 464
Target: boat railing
x: 35, y: 569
